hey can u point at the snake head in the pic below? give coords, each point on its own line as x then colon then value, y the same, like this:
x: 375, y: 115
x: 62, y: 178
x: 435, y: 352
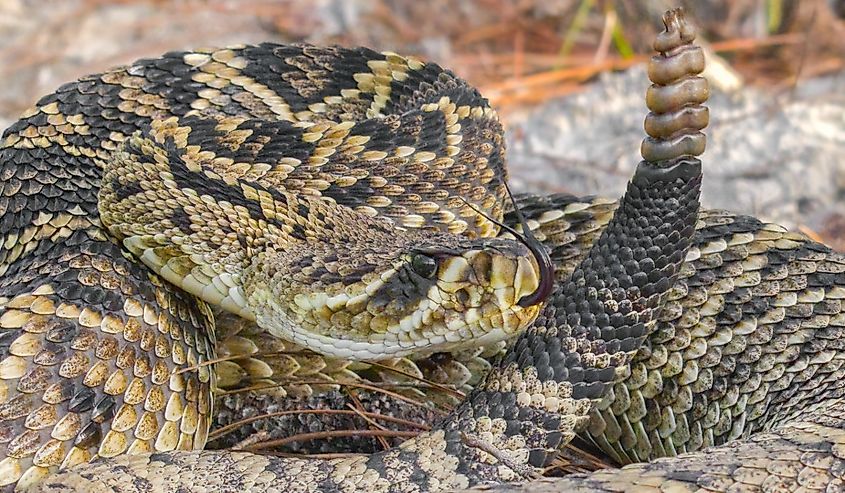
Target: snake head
x: 421, y: 293
x: 332, y: 278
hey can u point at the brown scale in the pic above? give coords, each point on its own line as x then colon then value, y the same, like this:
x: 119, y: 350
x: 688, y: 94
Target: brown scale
x: 123, y: 379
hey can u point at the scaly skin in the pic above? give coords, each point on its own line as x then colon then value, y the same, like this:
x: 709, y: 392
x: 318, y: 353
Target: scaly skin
x: 100, y: 356
x: 532, y: 401
x: 535, y: 398
x: 747, y: 353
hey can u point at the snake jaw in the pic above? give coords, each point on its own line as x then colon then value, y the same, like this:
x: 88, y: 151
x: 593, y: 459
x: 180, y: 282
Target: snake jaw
x: 471, y: 299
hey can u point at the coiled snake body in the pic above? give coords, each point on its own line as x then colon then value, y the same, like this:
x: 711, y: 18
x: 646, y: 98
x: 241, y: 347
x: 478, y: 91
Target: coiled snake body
x: 245, y: 150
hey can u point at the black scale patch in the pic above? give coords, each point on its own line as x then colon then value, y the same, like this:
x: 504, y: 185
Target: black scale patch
x: 269, y: 66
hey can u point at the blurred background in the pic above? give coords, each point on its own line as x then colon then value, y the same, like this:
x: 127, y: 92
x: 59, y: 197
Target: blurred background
x: 566, y: 76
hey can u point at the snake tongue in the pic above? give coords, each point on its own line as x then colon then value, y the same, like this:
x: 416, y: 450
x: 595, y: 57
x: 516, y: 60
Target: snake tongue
x: 546, y: 272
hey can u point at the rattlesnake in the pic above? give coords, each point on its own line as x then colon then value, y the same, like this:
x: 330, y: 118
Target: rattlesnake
x: 184, y: 196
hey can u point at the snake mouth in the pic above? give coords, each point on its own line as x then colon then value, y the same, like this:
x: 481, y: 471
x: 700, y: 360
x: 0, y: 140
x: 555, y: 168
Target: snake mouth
x: 471, y: 300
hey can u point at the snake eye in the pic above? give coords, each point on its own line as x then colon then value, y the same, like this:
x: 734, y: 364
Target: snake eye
x: 424, y: 265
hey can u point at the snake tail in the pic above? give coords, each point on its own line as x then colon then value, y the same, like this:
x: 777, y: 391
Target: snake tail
x: 676, y: 95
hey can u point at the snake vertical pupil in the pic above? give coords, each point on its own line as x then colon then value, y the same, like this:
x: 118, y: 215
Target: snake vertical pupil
x: 424, y: 265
